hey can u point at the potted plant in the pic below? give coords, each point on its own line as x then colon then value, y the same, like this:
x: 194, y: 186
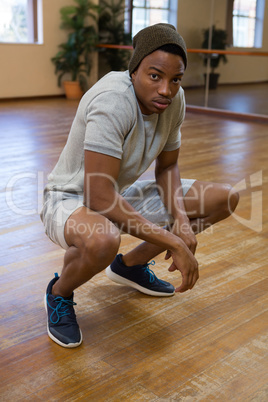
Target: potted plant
x: 111, y: 31
x: 74, y: 57
x: 219, y: 42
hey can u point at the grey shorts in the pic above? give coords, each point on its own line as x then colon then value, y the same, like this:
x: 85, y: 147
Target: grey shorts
x: 143, y: 195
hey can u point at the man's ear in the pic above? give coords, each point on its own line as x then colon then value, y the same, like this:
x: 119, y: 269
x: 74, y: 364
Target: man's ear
x: 133, y: 75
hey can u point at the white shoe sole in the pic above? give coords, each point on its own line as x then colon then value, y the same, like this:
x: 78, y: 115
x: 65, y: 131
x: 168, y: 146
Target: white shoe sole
x: 123, y: 281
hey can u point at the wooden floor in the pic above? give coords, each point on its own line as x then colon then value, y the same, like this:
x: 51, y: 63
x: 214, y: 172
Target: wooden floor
x: 240, y: 98
x: 204, y: 345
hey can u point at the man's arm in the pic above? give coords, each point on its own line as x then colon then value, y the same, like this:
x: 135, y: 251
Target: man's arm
x: 100, y: 195
x: 169, y: 182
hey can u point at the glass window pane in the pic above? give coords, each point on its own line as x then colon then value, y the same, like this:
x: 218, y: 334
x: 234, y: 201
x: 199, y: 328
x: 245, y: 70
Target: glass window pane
x: 244, y: 30
x: 149, y: 12
x: 139, y: 3
x: 157, y: 3
x: 13, y: 21
x: 245, y: 7
x: 244, y: 22
x: 139, y: 20
x: 156, y: 16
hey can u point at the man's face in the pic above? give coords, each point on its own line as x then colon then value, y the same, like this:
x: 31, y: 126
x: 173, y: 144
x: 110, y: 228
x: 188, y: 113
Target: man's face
x: 157, y: 80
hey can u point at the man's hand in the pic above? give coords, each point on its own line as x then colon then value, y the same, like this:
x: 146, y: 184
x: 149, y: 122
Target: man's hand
x: 168, y: 178
x: 185, y: 262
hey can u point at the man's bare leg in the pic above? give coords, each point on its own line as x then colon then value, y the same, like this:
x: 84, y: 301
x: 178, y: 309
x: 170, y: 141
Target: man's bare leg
x: 205, y: 204
x: 92, y: 250
x: 94, y: 243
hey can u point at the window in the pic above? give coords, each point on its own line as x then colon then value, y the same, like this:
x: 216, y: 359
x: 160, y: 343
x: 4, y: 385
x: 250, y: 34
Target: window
x: 248, y: 23
x: 20, y: 21
x: 142, y: 13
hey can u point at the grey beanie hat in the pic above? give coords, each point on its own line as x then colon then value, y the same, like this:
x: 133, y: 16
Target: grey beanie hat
x: 152, y: 38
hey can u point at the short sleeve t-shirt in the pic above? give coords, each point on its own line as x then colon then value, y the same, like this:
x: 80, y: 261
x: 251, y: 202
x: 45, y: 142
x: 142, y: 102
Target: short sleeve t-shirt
x: 109, y: 121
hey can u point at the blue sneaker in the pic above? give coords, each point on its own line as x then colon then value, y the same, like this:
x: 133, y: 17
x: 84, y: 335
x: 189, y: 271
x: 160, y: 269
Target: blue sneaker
x: 139, y: 277
x: 62, y: 326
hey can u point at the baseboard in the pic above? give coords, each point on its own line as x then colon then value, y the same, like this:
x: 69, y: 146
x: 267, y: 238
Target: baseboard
x: 25, y: 98
x: 226, y: 113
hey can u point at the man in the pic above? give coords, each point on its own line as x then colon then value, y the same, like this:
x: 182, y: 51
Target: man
x: 123, y: 123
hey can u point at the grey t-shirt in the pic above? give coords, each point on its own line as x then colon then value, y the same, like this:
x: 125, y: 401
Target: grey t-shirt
x: 109, y: 121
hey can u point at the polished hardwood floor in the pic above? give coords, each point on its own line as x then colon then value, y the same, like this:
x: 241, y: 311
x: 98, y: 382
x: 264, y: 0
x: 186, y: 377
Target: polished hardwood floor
x: 240, y: 98
x: 207, y: 344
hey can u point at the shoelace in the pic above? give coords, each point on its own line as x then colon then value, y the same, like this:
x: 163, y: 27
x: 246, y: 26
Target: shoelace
x: 62, y: 308
x: 152, y: 276
x: 146, y: 269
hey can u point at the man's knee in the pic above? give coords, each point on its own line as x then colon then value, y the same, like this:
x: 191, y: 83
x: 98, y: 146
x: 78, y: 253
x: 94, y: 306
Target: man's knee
x: 233, y: 199
x: 103, y: 244
x: 100, y: 248
x: 229, y: 199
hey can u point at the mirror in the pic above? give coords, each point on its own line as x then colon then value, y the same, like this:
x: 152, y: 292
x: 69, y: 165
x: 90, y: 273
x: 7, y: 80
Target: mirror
x: 243, y: 79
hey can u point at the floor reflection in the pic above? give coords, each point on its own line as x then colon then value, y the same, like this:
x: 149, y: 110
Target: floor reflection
x: 240, y: 98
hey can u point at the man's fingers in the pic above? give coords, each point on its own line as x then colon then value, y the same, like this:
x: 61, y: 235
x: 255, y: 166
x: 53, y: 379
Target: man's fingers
x: 172, y: 268
x: 188, y: 281
x: 168, y: 255
x: 183, y: 287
